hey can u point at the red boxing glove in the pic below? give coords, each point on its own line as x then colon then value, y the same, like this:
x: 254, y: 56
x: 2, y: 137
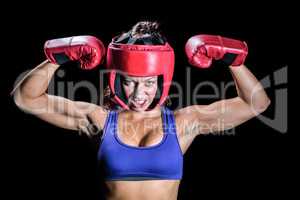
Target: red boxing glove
x: 88, y: 50
x: 202, y: 49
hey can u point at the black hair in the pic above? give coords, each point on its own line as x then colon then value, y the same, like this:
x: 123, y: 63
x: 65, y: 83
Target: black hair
x: 144, y: 33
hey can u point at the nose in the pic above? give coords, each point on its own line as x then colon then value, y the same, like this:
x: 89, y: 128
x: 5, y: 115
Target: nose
x: 138, y: 90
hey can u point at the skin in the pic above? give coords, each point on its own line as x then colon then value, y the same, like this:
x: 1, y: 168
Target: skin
x: 139, y: 88
x: 142, y: 128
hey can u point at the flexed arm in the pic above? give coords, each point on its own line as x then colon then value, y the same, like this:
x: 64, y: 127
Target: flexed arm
x: 228, y: 113
x: 30, y: 94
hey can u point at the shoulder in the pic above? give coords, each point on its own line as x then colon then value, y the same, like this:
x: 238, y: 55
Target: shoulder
x: 189, y: 112
x: 98, y: 116
x: 189, y: 118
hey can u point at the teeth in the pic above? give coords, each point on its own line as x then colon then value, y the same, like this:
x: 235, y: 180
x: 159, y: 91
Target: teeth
x: 139, y: 101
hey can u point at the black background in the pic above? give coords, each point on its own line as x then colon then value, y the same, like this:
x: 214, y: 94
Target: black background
x: 43, y: 161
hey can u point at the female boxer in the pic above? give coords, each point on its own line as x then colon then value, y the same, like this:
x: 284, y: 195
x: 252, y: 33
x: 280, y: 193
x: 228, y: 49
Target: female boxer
x: 142, y: 142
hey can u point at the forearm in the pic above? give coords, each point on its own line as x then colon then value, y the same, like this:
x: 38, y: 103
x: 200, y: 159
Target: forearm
x: 249, y: 88
x: 36, y: 82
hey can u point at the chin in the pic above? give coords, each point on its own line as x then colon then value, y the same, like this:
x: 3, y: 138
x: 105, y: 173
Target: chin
x: 138, y: 108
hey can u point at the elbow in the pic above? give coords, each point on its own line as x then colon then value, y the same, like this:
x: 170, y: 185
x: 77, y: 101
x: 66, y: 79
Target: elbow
x: 19, y: 99
x: 266, y: 105
x: 262, y: 107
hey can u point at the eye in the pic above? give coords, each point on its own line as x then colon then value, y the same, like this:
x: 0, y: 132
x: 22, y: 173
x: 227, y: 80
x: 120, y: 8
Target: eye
x: 127, y: 82
x: 149, y: 83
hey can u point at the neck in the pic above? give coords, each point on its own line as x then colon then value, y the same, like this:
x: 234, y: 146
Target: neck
x: 137, y: 115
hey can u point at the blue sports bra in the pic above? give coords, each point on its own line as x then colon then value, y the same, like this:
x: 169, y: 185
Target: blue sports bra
x: 124, y: 162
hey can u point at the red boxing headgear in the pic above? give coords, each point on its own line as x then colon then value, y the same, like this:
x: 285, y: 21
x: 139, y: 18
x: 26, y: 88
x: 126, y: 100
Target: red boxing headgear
x: 140, y: 60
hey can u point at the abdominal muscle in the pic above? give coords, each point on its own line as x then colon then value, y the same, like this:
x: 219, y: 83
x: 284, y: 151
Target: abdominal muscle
x: 137, y: 190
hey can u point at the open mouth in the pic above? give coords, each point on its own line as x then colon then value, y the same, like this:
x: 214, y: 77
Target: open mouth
x: 138, y: 103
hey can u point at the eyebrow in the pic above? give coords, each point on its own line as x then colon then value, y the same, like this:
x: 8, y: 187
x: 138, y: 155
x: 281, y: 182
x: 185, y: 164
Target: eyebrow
x: 150, y: 78
x: 130, y: 79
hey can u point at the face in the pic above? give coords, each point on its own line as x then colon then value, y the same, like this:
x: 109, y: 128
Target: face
x: 140, y: 91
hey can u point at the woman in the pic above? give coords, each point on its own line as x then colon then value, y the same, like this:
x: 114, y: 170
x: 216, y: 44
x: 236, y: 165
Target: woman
x: 142, y: 141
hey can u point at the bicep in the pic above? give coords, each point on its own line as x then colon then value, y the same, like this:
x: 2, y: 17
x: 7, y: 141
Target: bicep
x: 64, y: 113
x: 226, y: 114
x: 215, y: 117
